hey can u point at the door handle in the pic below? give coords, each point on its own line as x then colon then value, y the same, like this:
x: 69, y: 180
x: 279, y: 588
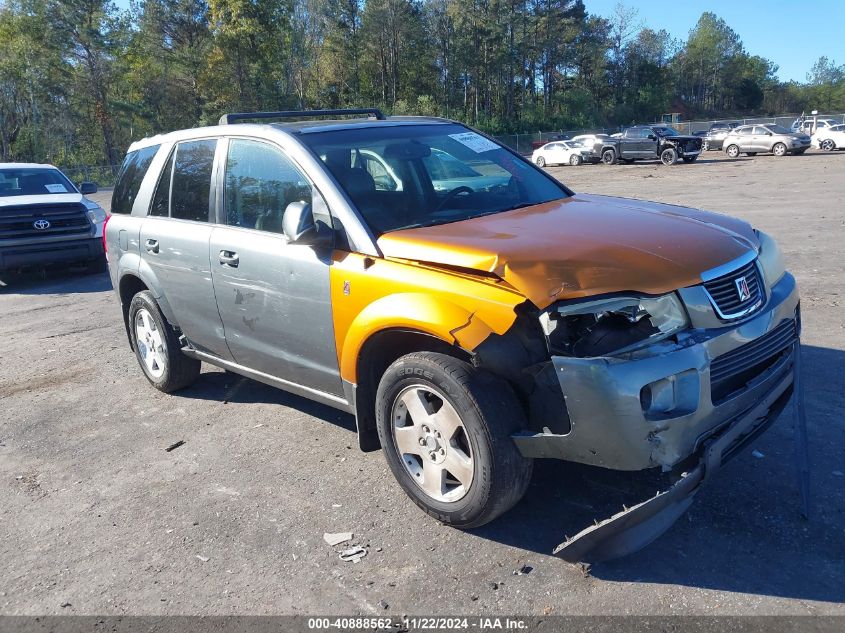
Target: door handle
x: 229, y: 258
x: 151, y: 246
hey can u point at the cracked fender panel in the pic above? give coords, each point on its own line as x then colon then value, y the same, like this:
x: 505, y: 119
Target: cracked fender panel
x: 370, y: 295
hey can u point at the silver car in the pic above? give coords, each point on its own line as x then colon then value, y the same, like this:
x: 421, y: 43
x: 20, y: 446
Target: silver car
x: 765, y: 138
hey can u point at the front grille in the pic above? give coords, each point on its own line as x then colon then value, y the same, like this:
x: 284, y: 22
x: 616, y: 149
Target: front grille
x: 732, y: 371
x: 18, y: 222
x: 724, y: 292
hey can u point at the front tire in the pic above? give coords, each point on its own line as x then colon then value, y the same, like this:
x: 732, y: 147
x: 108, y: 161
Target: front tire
x: 779, y: 149
x: 827, y: 145
x: 575, y: 160
x: 732, y: 151
x: 445, y: 429
x: 668, y: 156
x: 541, y: 162
x: 608, y: 157
x: 157, y: 348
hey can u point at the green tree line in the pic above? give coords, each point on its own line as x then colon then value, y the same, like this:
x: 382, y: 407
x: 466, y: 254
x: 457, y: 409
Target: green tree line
x: 81, y: 79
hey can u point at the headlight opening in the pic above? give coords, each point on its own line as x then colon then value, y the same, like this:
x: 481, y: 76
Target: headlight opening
x: 612, y: 326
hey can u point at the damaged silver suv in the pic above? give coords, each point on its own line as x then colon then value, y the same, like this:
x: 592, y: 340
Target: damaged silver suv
x: 472, y: 312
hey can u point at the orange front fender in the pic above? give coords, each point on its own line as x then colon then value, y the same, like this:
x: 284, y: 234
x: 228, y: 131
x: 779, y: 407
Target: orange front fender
x: 373, y: 295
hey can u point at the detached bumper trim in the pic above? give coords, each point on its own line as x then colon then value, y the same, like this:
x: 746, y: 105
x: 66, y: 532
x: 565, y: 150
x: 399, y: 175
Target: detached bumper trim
x: 636, y: 527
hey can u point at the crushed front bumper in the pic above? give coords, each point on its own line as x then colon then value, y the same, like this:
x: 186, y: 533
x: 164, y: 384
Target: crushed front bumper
x: 656, y: 407
x: 684, y: 408
x: 637, y: 526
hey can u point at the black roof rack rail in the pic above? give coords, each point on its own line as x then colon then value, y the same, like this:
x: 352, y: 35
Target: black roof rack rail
x: 226, y: 119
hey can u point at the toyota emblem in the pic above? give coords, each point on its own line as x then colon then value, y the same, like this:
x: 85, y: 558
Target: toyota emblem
x: 41, y: 225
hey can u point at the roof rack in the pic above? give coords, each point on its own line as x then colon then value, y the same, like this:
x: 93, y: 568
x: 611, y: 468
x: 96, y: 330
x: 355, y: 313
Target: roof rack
x: 226, y: 119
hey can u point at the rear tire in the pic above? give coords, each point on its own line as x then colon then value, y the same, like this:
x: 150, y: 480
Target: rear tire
x: 428, y: 404
x: 541, y: 162
x: 608, y: 157
x: 827, y: 145
x: 575, y: 160
x: 157, y: 348
x: 732, y: 151
x: 779, y: 149
x: 669, y: 156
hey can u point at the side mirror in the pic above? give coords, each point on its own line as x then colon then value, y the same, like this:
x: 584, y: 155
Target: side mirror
x: 298, y: 223
x: 87, y: 188
x: 652, y: 137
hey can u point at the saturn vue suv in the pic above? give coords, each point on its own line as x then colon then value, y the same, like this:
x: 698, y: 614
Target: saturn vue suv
x: 468, y: 330
x: 46, y: 221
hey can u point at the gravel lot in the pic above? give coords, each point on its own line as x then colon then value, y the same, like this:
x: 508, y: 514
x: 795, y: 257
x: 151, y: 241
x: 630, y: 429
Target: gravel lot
x: 97, y: 518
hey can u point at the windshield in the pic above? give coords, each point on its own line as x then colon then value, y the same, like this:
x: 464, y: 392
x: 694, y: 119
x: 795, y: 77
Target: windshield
x: 666, y: 131
x: 420, y: 175
x: 33, y: 181
x: 779, y: 129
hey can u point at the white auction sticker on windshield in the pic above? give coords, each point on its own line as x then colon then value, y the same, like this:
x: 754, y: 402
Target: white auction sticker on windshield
x: 475, y: 142
x: 56, y: 188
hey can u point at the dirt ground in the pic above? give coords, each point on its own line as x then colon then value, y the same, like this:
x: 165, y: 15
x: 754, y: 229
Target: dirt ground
x: 97, y: 518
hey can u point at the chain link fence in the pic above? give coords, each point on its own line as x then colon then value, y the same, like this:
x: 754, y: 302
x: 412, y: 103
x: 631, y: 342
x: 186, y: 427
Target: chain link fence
x: 103, y: 175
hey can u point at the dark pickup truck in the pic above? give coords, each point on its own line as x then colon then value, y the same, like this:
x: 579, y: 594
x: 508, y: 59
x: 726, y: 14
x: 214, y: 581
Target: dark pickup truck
x: 649, y: 142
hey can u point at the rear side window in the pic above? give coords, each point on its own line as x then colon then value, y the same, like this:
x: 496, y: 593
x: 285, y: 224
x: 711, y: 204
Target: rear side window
x: 161, y: 197
x: 129, y: 180
x: 184, y: 187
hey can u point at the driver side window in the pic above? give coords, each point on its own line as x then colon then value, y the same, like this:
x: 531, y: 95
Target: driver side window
x: 260, y: 183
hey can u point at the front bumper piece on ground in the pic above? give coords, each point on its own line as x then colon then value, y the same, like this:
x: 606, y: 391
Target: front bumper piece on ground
x: 637, y: 526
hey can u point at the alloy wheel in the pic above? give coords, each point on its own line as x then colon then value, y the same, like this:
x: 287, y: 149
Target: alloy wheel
x: 432, y: 443
x: 150, y: 342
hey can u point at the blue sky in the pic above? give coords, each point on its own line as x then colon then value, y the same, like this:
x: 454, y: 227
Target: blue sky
x: 775, y: 29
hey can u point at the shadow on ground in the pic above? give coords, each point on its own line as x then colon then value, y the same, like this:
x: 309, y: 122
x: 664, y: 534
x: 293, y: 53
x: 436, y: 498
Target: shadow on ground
x: 49, y: 282
x: 227, y: 387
